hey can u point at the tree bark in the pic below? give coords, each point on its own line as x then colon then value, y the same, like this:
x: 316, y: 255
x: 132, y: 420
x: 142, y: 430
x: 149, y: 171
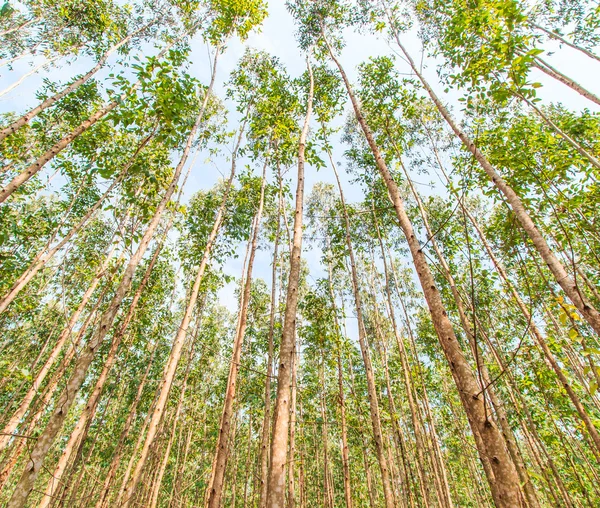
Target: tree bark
x: 492, y: 442
x: 276, y: 484
x: 218, y: 473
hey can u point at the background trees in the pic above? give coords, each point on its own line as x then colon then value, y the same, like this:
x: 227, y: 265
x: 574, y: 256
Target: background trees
x: 338, y: 282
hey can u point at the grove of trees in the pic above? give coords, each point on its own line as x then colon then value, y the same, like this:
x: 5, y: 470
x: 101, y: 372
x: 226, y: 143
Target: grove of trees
x: 417, y: 327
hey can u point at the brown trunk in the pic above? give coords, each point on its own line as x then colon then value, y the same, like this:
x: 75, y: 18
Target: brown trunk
x: 266, y: 424
x: 218, y: 473
x: 292, y: 449
x: 547, y: 69
x: 492, y: 443
x: 184, y: 383
x: 178, y: 343
x: 341, y: 399
x: 364, y: 348
x: 276, y: 484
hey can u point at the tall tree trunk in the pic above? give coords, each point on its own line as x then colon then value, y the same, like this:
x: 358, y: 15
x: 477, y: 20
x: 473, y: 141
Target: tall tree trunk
x: 492, y: 442
x: 30, y: 73
x: 341, y: 399
x: 292, y: 449
x: 276, y: 485
x: 184, y: 384
x: 218, y: 473
x: 547, y: 69
x: 364, y: 348
x: 266, y: 424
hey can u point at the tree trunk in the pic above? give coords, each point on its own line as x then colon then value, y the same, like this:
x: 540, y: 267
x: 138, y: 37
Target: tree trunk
x: 492, y: 442
x: 292, y: 449
x: 266, y: 424
x: 218, y: 473
x: 276, y: 484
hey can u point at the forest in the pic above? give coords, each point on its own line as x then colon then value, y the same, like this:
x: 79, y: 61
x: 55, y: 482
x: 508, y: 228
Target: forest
x: 299, y: 253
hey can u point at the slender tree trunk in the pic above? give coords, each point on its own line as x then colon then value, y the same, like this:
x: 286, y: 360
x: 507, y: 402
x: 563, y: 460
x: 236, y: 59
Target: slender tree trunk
x: 218, y: 474
x: 266, y: 425
x: 247, y: 467
x: 341, y: 399
x: 19, y: 27
x: 184, y: 384
x: 43, y: 159
x: 492, y: 442
x: 547, y: 69
x: 560, y: 38
x: 421, y: 469
x: 30, y: 73
x: 292, y: 449
x: 276, y: 485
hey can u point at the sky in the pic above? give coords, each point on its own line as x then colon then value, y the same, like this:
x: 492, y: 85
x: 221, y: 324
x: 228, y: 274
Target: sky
x: 277, y: 38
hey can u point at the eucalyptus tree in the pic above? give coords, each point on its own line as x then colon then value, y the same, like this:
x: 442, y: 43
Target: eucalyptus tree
x: 259, y: 86
x: 318, y: 22
x: 281, y: 418
x: 560, y: 273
